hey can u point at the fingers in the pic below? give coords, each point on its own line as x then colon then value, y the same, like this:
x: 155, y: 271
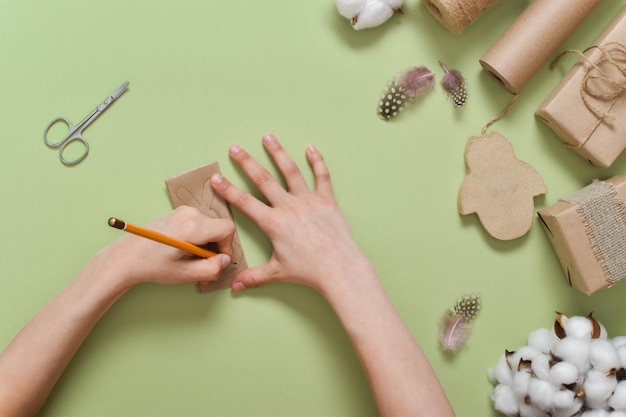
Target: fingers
x: 218, y: 231
x: 241, y: 200
x: 320, y: 170
x: 292, y: 175
x: 253, y: 278
x: 204, y: 270
x: 260, y: 176
x: 288, y: 168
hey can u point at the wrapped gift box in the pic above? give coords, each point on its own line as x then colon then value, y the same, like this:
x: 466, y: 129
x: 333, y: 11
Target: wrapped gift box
x: 588, y: 233
x: 587, y: 112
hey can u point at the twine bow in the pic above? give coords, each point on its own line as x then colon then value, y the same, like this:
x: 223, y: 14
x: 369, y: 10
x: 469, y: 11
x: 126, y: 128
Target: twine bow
x: 597, y: 83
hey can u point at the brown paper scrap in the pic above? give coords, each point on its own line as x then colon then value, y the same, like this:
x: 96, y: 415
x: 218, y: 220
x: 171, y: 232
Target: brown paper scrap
x: 193, y: 188
x: 498, y: 187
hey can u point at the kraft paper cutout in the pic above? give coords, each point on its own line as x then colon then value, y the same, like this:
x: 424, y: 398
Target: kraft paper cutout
x: 498, y: 187
x: 193, y: 188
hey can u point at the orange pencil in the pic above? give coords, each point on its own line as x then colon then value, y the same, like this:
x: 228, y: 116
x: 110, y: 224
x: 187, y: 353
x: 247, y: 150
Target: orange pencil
x: 161, y: 238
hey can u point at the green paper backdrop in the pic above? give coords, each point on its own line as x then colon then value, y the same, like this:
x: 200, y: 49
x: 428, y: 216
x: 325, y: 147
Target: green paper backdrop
x: 204, y: 75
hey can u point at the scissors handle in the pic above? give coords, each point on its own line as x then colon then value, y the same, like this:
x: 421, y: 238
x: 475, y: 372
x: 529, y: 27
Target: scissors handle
x: 59, y: 120
x: 73, y: 135
x: 74, y: 132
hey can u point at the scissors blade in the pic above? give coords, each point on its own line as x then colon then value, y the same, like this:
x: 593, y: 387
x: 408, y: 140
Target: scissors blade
x: 114, y: 95
x: 119, y: 91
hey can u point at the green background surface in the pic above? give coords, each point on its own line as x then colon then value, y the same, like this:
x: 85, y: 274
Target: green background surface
x: 204, y: 75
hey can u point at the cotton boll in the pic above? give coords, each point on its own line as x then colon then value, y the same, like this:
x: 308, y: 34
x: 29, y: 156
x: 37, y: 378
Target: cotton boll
x: 578, y: 326
x: 528, y: 353
x: 603, y: 333
x: 541, y: 393
x: 350, y: 8
x: 603, y: 356
x: 374, y: 14
x: 621, y: 353
x: 529, y: 410
x: 501, y: 373
x: 504, y: 400
x: 618, y: 341
x: 395, y: 4
x: 563, y: 373
x: 368, y: 13
x: 566, y: 404
x: 598, y: 388
x: 595, y: 413
x: 542, y: 339
x: 564, y: 399
x: 567, y: 401
x: 617, y: 414
x: 618, y: 399
x: 525, y: 353
x: 574, y: 350
x: 520, y: 384
x: 541, y: 366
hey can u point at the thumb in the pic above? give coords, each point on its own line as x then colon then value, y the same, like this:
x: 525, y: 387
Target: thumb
x: 253, y: 277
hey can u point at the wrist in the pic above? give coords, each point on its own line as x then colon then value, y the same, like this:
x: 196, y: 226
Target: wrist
x: 355, y: 277
x: 108, y: 271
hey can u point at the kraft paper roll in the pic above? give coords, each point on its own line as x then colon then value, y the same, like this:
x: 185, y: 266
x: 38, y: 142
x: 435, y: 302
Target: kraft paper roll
x: 530, y: 41
x: 456, y: 15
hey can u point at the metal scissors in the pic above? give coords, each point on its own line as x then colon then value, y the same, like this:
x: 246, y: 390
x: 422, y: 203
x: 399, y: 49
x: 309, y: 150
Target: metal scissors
x: 75, y: 132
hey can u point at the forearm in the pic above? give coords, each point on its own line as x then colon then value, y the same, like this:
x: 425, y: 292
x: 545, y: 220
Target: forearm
x: 35, y: 359
x: 401, y: 378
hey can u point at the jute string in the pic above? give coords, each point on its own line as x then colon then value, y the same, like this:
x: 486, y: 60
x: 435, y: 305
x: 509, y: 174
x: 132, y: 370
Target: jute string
x: 501, y: 114
x: 603, y: 214
x: 597, y: 83
x: 455, y: 15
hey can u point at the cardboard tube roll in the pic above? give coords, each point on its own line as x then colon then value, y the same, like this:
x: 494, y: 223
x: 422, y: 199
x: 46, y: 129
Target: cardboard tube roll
x: 532, y: 39
x: 456, y: 15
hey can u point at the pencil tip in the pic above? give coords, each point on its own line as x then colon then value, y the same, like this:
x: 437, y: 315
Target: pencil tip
x: 117, y: 223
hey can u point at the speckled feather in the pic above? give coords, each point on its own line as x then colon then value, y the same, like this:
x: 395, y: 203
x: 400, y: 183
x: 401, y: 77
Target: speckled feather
x: 453, y: 84
x: 455, y: 324
x: 409, y: 85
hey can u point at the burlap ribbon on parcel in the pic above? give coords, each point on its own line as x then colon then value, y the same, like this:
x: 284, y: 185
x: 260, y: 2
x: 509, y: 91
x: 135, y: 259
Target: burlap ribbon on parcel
x: 603, y: 214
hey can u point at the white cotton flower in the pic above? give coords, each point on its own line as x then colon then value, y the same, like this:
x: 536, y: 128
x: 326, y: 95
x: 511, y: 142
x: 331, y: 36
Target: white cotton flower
x: 527, y: 353
x: 566, y: 404
x: 542, y: 339
x: 621, y: 353
x: 564, y: 399
x: 520, y: 384
x: 368, y: 13
x: 618, y: 341
x: 541, y: 366
x: 563, y: 373
x: 574, y: 350
x: 618, y: 399
x: 598, y: 389
x: 576, y: 371
x: 578, y: 326
x: 595, y: 413
x: 523, y: 354
x: 541, y: 393
x: 501, y: 373
x: 504, y: 400
x: 529, y: 410
x: 603, y: 333
x: 603, y: 355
